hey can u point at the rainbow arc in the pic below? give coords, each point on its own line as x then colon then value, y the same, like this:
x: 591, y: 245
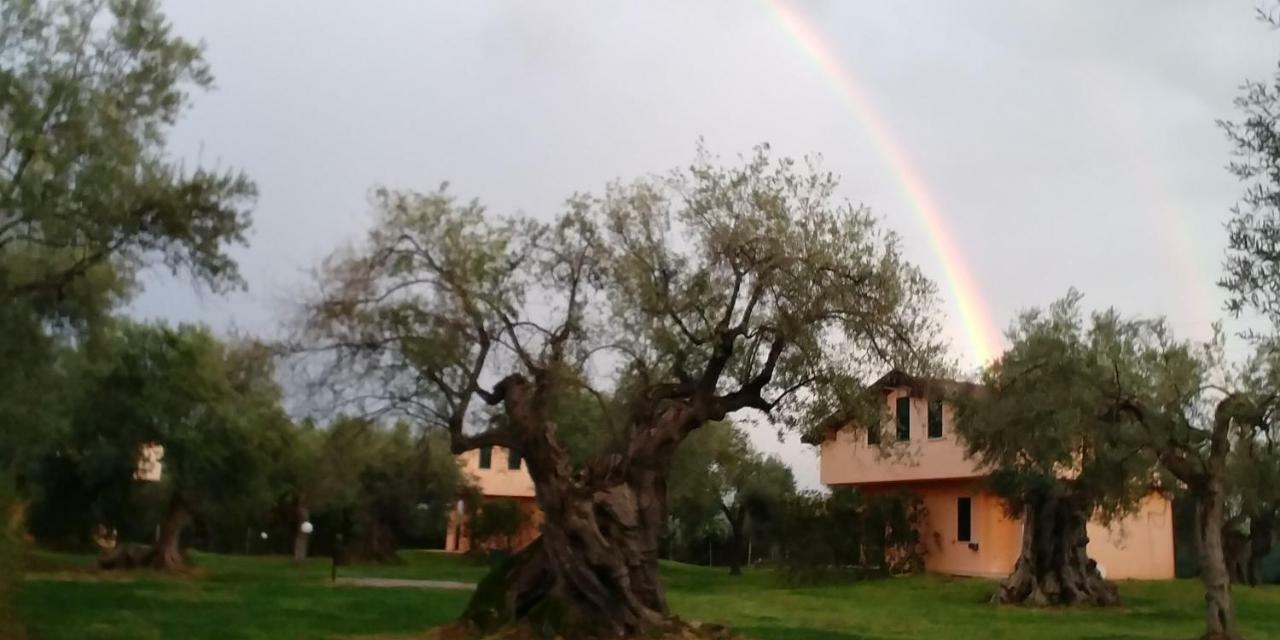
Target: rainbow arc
x: 981, y: 333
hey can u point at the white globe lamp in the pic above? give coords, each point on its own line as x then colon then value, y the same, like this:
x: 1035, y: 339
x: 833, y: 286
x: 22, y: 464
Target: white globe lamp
x: 306, y: 528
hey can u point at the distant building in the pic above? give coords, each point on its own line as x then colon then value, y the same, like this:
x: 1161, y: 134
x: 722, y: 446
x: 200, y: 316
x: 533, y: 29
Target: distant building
x: 499, y: 474
x: 967, y: 530
x: 150, y: 463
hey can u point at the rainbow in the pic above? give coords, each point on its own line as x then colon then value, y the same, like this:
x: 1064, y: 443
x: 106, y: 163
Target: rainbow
x: 982, y: 334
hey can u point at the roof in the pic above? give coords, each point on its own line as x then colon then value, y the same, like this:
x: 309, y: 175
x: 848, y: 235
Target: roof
x: 919, y: 387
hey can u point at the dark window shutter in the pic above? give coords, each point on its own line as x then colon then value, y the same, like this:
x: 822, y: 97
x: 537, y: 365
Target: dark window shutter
x: 873, y: 434
x: 935, y: 419
x: 964, y: 519
x: 486, y: 457
x: 904, y: 418
x: 513, y: 459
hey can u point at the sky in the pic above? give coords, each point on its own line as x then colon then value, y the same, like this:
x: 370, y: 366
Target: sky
x: 1017, y: 148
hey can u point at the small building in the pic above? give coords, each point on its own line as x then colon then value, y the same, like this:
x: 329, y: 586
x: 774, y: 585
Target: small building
x: 150, y: 463
x: 498, y: 474
x: 967, y: 530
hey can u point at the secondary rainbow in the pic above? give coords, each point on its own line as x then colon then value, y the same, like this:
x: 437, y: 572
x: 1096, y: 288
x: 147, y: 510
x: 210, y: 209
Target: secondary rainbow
x: 982, y: 334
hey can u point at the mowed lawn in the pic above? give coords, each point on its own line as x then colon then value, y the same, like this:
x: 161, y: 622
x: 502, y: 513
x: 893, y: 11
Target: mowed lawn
x: 239, y: 597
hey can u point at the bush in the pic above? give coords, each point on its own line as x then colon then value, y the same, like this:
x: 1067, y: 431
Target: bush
x: 495, y: 523
x: 849, y: 535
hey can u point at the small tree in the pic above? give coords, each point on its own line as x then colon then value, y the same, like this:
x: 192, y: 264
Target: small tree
x: 495, y: 520
x: 183, y: 390
x: 717, y: 473
x: 1058, y: 456
x: 375, y: 481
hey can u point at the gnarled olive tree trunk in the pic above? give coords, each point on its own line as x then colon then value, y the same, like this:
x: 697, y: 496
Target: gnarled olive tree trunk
x: 1220, y: 615
x: 594, y: 571
x: 1053, y: 567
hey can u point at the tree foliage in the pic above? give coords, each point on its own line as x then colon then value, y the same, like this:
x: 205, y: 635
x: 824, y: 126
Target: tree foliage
x: 88, y: 193
x: 1047, y: 427
x: 207, y: 404
x: 718, y: 477
x: 849, y: 534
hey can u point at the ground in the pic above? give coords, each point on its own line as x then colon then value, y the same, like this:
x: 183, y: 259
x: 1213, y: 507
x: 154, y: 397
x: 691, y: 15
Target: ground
x: 261, y: 597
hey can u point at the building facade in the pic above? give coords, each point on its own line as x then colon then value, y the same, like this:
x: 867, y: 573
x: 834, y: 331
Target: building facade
x: 967, y: 530
x: 498, y: 474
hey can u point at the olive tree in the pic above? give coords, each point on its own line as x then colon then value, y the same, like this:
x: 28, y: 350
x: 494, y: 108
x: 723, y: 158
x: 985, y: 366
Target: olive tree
x: 1190, y: 408
x: 695, y: 296
x: 1047, y: 430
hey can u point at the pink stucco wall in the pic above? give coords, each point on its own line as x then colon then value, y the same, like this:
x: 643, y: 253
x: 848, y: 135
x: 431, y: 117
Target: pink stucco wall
x: 1139, y: 546
x: 497, y: 480
x: 848, y: 459
x: 495, y: 483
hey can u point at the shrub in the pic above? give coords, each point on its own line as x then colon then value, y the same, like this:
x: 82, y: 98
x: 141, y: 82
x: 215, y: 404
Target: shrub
x: 849, y: 535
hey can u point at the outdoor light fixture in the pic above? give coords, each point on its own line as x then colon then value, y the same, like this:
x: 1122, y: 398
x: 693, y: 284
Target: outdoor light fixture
x: 264, y: 535
x: 306, y: 528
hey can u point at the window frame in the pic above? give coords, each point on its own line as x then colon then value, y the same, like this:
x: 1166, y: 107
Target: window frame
x: 902, y: 418
x: 513, y: 455
x: 935, y: 409
x: 964, y: 519
x: 485, y: 459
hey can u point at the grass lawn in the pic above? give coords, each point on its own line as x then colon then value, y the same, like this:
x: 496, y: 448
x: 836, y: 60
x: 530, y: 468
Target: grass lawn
x: 239, y: 597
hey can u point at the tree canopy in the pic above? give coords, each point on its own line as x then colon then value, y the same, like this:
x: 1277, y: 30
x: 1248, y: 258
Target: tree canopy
x: 707, y: 291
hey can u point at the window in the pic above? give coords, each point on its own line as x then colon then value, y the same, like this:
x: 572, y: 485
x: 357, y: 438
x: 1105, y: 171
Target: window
x: 904, y: 418
x: 964, y: 519
x: 486, y: 457
x: 513, y: 459
x: 873, y: 434
x: 935, y: 419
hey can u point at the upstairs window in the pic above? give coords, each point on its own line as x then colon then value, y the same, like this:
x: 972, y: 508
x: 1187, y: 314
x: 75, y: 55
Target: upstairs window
x: 513, y: 459
x: 935, y: 419
x: 904, y: 418
x: 486, y: 457
x: 873, y: 434
x: 964, y: 519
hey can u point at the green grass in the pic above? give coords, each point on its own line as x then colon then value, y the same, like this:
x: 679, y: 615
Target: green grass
x: 264, y: 597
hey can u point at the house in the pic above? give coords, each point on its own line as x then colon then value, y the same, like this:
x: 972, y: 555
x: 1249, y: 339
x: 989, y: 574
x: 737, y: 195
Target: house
x: 150, y: 463
x: 498, y: 474
x: 967, y: 530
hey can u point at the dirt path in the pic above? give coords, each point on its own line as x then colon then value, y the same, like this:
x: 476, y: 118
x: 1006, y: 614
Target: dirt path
x: 397, y: 583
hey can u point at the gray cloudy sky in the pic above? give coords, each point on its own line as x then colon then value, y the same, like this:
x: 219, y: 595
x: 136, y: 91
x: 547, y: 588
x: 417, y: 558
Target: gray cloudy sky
x: 1065, y: 143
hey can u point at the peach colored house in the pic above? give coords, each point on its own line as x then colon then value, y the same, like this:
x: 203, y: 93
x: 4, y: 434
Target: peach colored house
x: 499, y: 474
x: 967, y: 531
x: 150, y: 463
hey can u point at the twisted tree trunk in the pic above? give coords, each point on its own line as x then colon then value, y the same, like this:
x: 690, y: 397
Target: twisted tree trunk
x: 1220, y: 615
x: 167, y: 554
x: 1053, y: 567
x: 594, y: 571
